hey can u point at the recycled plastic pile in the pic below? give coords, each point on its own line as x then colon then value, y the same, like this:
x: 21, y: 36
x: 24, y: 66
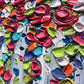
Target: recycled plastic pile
x: 49, y: 23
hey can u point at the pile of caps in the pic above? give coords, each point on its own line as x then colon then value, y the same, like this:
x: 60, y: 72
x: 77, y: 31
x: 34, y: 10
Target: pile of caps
x: 56, y: 23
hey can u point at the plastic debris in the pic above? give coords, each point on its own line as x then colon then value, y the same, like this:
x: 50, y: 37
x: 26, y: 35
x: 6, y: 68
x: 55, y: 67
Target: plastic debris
x: 54, y: 81
x: 58, y: 74
x: 68, y: 69
x: 46, y: 58
x: 16, y: 71
x: 29, y: 26
x: 10, y: 52
x: 16, y: 61
x: 78, y: 63
x: 64, y: 61
x: 67, y: 80
x: 28, y: 78
x: 1, y: 70
x: 56, y: 51
x: 52, y: 31
x: 37, y: 51
x: 26, y: 64
x: 7, y: 76
x: 16, y: 80
x: 21, y: 58
x: 7, y: 65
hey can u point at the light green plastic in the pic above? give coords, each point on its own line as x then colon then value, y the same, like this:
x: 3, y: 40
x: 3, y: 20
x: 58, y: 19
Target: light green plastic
x: 26, y: 64
x: 81, y: 50
x: 69, y: 31
x: 1, y: 62
x: 52, y: 31
x: 29, y: 11
x: 9, y: 8
x: 10, y: 52
x: 58, y: 51
x: 71, y: 50
x: 28, y: 78
x: 7, y: 65
x: 47, y: 58
x: 7, y: 34
x: 16, y: 61
x: 16, y: 80
x: 2, y: 82
x: 7, y: 41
